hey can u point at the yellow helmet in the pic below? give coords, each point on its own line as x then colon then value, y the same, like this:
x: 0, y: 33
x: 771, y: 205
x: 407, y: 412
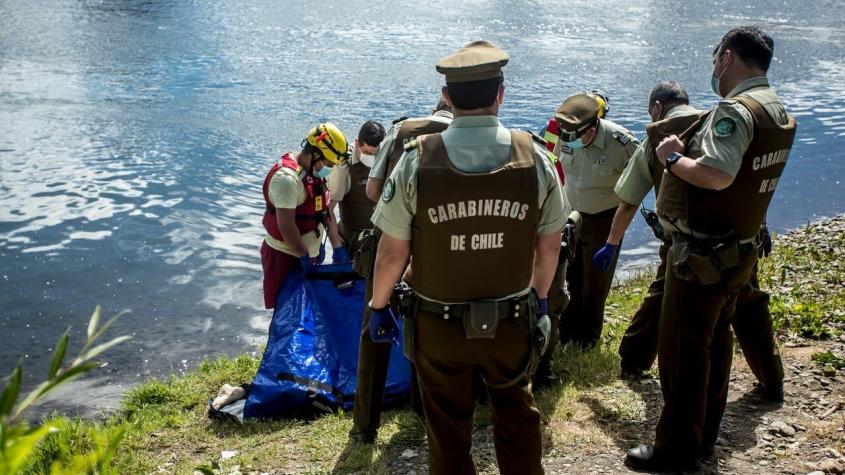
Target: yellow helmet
x: 604, y: 104
x: 330, y: 141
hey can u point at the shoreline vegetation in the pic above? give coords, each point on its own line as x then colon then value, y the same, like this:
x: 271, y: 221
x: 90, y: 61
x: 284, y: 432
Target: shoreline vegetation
x: 590, y: 417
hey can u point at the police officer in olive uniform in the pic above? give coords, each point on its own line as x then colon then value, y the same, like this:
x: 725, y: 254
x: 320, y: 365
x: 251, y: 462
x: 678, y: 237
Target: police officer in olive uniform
x: 348, y: 186
x: 373, y: 358
x: 593, y: 153
x: 479, y: 211
x: 670, y: 112
x: 720, y: 177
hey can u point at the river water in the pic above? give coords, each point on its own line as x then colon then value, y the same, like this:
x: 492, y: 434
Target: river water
x: 134, y: 137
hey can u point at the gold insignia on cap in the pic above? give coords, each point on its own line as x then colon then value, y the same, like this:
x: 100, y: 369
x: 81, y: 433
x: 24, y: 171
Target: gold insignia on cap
x: 476, y: 61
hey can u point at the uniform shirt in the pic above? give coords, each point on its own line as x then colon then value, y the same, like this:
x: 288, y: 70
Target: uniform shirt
x: 287, y: 192
x: 727, y: 132
x: 592, y: 171
x: 636, y: 182
x: 339, y: 180
x: 386, y: 147
x: 474, y: 144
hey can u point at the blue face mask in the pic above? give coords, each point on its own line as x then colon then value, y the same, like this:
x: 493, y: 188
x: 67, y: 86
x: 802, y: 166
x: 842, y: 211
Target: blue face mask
x: 323, y: 172
x: 575, y: 144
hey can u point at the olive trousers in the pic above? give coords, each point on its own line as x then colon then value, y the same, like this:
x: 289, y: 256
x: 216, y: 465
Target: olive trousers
x: 583, y: 319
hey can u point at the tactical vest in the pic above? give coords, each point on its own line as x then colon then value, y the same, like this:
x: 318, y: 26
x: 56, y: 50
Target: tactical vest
x: 657, y: 131
x: 356, y: 208
x: 473, y: 234
x: 740, y: 208
x: 409, y: 130
x: 308, y: 215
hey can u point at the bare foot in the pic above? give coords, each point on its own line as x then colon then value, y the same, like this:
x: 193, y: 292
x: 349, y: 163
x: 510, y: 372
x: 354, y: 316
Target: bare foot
x: 227, y: 394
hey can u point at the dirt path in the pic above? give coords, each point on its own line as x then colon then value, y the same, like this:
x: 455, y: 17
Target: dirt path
x: 805, y: 434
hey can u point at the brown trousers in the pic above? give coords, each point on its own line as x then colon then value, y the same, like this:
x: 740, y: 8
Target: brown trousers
x: 583, y: 319
x: 752, y: 325
x: 695, y: 347
x: 447, y: 365
x: 371, y: 376
x: 558, y: 300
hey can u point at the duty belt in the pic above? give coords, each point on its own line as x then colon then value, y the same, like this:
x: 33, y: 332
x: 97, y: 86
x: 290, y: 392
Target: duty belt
x: 511, y: 308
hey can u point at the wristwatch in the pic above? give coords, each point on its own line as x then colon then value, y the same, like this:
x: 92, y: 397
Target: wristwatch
x: 672, y: 159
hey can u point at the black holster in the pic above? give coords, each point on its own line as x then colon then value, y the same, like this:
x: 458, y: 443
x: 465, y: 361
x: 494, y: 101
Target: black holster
x: 406, y: 303
x: 365, y: 253
x: 703, y: 260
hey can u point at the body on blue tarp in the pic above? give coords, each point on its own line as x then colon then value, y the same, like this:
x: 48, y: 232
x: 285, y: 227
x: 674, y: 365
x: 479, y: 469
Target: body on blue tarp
x: 312, y: 350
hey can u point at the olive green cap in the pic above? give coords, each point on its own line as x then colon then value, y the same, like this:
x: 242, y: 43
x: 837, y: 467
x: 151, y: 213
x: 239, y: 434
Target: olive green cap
x: 474, y: 62
x: 577, y: 112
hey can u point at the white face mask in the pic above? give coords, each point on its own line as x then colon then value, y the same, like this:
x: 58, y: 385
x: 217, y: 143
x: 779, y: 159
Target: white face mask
x: 367, y: 160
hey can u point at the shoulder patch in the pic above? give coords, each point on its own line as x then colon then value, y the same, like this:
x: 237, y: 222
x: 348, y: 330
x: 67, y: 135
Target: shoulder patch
x: 411, y: 144
x: 724, y: 127
x: 622, y: 137
x: 538, y: 139
x: 389, y: 190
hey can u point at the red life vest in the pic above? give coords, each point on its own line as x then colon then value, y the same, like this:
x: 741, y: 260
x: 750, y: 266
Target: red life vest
x: 313, y: 211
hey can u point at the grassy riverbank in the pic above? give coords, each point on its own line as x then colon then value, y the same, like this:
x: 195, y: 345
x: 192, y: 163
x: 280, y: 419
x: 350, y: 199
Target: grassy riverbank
x: 590, y: 417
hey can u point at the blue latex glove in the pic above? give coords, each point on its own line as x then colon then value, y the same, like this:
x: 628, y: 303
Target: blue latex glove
x: 305, y: 262
x: 604, y: 256
x: 767, y: 242
x: 339, y: 254
x: 383, y: 327
x: 543, y: 307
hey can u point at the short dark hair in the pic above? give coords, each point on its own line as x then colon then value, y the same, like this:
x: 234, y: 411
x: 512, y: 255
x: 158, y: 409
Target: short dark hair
x: 371, y: 133
x: 668, y: 93
x: 753, y: 47
x: 474, y: 94
x: 442, y: 105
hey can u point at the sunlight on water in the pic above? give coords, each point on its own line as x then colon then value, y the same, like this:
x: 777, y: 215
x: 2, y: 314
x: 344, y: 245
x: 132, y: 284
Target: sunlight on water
x: 134, y: 136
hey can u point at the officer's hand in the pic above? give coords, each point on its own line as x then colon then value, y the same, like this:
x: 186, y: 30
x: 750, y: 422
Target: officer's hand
x: 339, y: 254
x: 604, y: 256
x: 766, y: 245
x: 668, y: 145
x: 305, y: 262
x: 383, y: 327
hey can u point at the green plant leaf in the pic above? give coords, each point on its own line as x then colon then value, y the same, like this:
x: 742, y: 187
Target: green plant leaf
x: 106, y: 453
x: 99, y: 333
x: 47, y: 386
x: 20, y: 448
x: 93, y: 322
x: 105, y: 346
x: 58, y: 355
x: 10, y: 393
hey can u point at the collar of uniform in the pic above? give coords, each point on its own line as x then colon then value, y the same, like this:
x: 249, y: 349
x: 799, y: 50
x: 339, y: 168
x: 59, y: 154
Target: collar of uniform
x: 759, y: 81
x: 475, y: 121
x: 353, y: 156
x: 678, y: 110
x: 442, y: 113
x: 600, y: 136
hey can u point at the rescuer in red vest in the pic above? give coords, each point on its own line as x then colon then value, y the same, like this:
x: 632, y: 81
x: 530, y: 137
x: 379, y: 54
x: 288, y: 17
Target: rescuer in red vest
x: 297, y: 200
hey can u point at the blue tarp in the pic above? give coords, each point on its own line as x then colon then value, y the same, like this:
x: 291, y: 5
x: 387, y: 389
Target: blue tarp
x: 312, y: 351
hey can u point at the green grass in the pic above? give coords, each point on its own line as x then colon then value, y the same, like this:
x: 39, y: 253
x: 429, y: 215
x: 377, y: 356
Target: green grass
x: 806, y: 275
x: 591, y: 410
